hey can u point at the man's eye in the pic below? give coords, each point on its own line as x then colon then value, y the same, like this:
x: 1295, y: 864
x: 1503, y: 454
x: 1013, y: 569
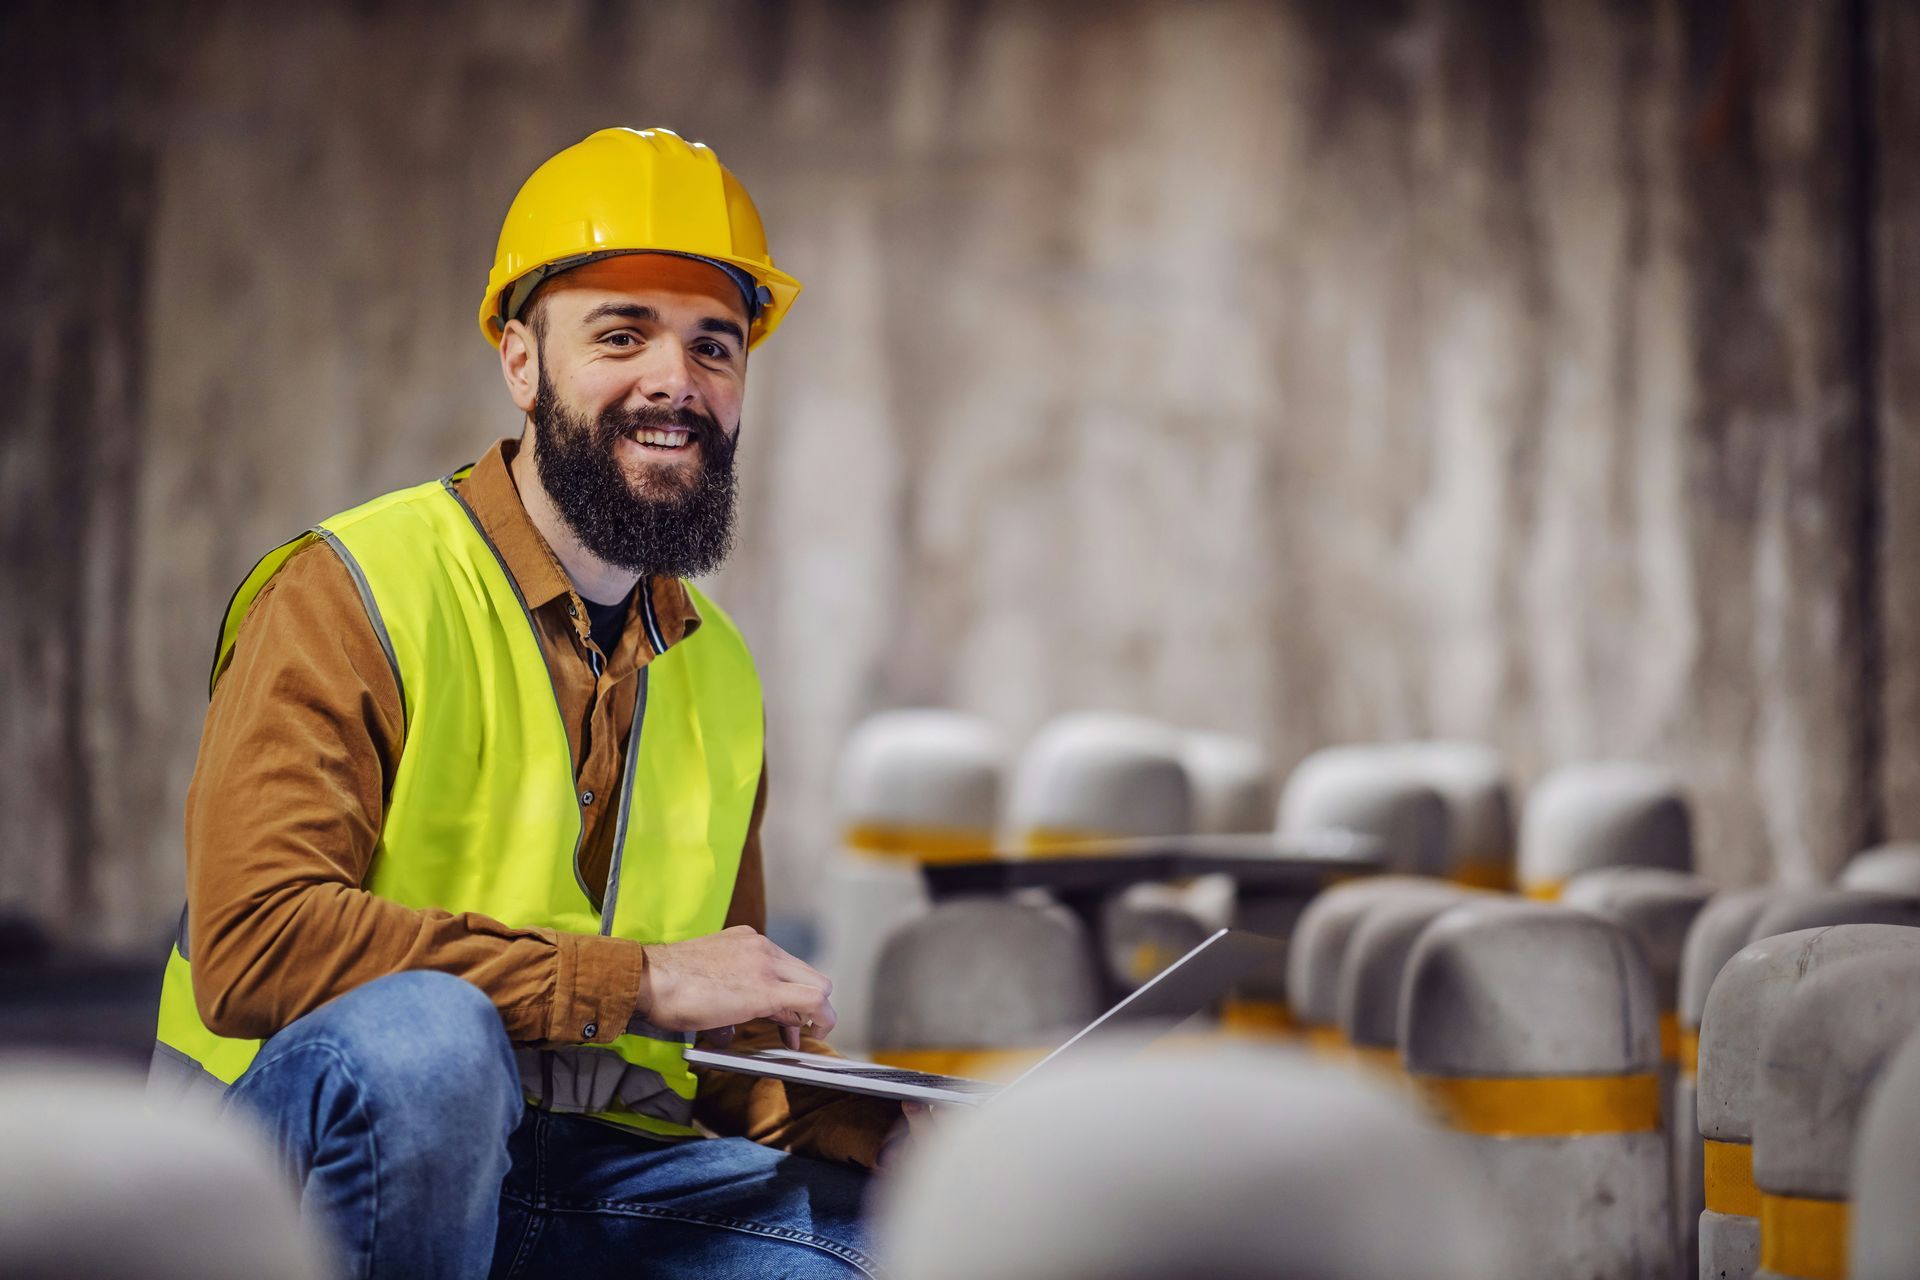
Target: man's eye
x: 714, y: 351
x: 620, y: 339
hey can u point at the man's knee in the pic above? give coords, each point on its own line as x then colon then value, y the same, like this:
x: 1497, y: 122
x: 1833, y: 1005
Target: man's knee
x: 426, y: 1036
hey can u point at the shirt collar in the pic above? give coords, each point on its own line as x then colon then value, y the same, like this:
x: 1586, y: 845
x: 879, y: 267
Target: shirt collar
x: 490, y: 490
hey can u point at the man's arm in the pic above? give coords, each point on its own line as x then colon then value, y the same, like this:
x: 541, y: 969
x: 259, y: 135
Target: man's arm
x: 298, y: 756
x: 824, y: 1123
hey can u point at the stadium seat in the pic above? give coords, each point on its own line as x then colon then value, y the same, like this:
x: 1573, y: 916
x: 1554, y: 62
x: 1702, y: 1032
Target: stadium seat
x: 1612, y: 814
x: 1534, y: 1030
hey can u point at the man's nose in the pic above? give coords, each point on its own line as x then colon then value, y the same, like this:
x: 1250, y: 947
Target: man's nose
x: 665, y: 375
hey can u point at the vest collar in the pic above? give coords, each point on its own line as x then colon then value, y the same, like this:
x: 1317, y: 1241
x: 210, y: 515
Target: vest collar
x: 495, y: 499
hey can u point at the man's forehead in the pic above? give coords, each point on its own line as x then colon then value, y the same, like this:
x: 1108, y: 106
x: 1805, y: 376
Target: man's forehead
x: 698, y: 283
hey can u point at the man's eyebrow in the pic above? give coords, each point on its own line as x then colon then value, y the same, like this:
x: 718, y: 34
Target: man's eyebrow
x: 714, y: 324
x: 623, y: 310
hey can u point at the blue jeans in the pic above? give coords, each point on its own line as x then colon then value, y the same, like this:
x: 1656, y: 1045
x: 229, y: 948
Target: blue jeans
x: 399, y: 1113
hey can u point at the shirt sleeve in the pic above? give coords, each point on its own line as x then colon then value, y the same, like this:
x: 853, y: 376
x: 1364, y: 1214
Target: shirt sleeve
x: 824, y: 1123
x: 298, y: 756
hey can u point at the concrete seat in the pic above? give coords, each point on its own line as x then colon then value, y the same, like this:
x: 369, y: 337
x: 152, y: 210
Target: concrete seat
x: 1366, y: 789
x: 1471, y: 780
x: 1091, y: 776
x: 914, y: 786
x: 1318, y: 948
x: 1231, y: 781
x: 1886, y: 1174
x: 982, y: 988
x: 1820, y: 1058
x: 1534, y: 1030
x: 1887, y: 868
x: 1269, y: 1166
x: 1657, y: 907
x: 1746, y: 999
x: 1095, y: 775
x: 1717, y: 933
x: 95, y: 1183
x: 1614, y: 814
x: 1373, y: 970
x: 1795, y: 909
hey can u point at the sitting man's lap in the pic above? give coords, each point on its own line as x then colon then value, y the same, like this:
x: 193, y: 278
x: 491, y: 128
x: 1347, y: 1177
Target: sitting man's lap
x: 398, y: 1109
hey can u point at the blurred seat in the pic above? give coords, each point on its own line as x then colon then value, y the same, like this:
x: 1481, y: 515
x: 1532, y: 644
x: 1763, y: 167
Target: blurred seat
x: 94, y: 1184
x: 914, y: 786
x: 1791, y: 910
x: 1367, y: 789
x: 1823, y: 1053
x: 1096, y: 775
x: 982, y: 988
x: 1887, y: 868
x: 1613, y: 814
x: 1657, y: 907
x: 1534, y: 1030
x: 1720, y: 930
x: 1231, y: 781
x: 1471, y: 780
x: 1373, y: 971
x: 1318, y: 949
x: 1746, y: 999
x: 1884, y: 1244
x: 1265, y: 1166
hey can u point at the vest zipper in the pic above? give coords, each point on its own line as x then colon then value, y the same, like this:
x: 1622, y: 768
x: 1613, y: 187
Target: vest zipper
x: 611, y: 898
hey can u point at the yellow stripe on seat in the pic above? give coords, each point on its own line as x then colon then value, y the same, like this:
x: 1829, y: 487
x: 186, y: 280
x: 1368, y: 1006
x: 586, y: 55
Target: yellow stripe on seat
x: 1544, y: 890
x: 1728, y: 1171
x: 1484, y: 872
x: 1242, y: 1016
x: 1545, y: 1106
x: 1803, y: 1237
x: 1670, y: 1036
x: 1690, y: 1050
x: 919, y: 844
x: 1059, y: 842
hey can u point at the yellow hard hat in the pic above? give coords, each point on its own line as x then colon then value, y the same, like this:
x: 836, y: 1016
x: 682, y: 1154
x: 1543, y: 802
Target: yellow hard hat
x: 634, y: 191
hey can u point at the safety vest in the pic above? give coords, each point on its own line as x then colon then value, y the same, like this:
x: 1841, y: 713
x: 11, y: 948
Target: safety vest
x: 484, y: 815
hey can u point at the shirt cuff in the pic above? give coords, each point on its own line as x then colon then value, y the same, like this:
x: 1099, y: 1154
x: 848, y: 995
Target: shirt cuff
x: 595, y: 989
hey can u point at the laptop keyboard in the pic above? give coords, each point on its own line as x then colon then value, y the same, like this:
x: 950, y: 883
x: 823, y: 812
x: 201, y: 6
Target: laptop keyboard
x: 925, y: 1079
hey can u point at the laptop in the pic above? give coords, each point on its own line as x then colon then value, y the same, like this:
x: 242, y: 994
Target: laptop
x: 1171, y: 996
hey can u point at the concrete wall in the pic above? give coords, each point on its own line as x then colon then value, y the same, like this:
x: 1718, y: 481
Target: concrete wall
x: 1317, y: 371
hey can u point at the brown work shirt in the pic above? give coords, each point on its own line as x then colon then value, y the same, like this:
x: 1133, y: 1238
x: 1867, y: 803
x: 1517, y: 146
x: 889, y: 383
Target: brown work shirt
x: 302, y: 740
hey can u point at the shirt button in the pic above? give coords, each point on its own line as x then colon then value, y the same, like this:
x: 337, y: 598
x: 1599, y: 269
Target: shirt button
x: 586, y: 797
x: 589, y: 1031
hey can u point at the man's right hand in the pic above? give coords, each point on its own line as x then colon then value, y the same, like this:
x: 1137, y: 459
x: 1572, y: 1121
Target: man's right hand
x: 731, y: 977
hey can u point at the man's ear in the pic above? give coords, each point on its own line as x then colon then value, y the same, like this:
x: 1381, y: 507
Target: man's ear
x: 520, y: 365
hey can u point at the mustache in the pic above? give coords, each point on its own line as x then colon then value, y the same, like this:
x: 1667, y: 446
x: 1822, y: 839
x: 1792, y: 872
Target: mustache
x: 616, y: 422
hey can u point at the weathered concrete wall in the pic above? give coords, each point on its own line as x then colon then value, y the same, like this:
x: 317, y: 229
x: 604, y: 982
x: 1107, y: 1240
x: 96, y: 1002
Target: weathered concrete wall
x: 1310, y: 370
x: 1896, y: 197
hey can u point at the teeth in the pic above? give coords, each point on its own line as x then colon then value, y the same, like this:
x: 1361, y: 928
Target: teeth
x: 667, y: 439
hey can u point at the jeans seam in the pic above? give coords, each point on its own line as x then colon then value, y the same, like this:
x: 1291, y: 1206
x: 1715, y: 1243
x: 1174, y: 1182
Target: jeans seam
x: 344, y: 1063
x: 852, y: 1257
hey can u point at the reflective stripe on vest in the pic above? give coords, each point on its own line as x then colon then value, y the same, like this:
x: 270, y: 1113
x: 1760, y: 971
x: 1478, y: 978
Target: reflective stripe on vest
x: 486, y: 766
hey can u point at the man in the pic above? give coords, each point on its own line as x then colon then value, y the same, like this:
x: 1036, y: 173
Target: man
x: 473, y: 838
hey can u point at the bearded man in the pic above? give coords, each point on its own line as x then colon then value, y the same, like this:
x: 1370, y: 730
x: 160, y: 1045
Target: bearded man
x: 473, y: 838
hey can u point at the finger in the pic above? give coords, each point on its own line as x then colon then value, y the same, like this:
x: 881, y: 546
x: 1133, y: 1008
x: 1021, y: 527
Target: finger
x: 788, y: 968
x: 792, y: 1036
x: 805, y: 1007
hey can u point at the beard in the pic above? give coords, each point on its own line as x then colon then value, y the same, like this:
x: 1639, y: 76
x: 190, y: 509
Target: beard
x: 676, y: 522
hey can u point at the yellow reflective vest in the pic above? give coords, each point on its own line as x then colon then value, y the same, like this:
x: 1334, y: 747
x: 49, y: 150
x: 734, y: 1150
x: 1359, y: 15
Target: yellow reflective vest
x: 484, y: 815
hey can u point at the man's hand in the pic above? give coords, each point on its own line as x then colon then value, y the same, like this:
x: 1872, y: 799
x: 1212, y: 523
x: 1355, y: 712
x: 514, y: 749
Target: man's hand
x: 731, y: 977
x: 915, y: 1123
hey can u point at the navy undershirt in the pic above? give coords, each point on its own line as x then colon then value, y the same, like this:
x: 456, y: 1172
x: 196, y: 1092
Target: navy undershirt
x: 607, y: 621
